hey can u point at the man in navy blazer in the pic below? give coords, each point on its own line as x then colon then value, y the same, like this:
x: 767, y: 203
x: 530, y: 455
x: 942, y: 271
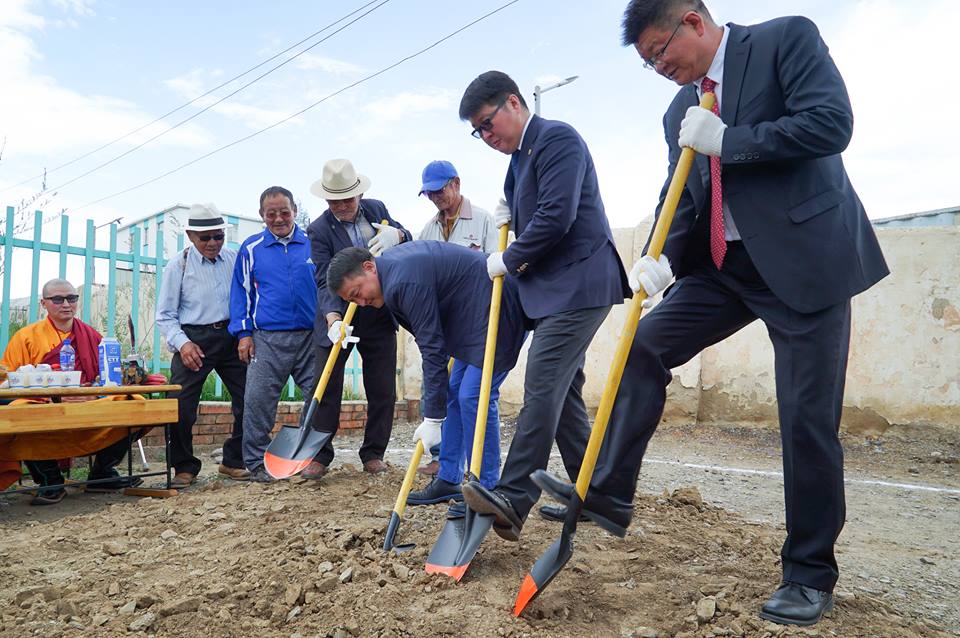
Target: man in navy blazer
x: 768, y: 227
x: 568, y: 275
x: 352, y: 220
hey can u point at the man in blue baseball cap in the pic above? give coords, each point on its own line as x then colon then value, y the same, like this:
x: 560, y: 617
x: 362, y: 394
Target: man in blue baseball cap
x: 457, y: 220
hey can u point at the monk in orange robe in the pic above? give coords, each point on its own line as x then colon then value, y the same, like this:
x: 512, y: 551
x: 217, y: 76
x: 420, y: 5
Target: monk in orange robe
x: 40, y: 342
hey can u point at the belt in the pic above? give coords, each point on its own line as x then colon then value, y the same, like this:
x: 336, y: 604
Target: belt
x: 217, y: 325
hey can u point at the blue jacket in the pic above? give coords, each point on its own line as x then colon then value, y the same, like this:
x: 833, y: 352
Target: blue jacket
x: 273, y: 286
x: 564, y: 257
x: 327, y: 238
x: 440, y: 293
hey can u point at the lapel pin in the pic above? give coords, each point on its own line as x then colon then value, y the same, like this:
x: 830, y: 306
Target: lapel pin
x: 529, y: 151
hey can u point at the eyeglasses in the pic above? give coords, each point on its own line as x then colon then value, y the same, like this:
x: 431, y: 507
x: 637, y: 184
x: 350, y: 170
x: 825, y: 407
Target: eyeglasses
x: 214, y: 237
x: 436, y: 193
x: 59, y: 299
x: 652, y: 63
x: 487, y: 124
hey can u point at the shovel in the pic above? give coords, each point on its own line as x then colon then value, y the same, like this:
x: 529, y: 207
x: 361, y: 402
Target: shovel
x: 293, y: 448
x: 552, y: 561
x: 401, y: 503
x: 461, y: 537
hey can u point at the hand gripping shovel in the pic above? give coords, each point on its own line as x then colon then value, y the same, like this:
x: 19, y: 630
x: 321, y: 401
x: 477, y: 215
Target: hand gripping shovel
x: 552, y: 561
x: 293, y: 448
x: 461, y: 537
x: 401, y: 503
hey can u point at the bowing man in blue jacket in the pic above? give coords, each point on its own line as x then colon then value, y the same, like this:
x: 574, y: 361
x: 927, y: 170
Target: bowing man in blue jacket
x: 440, y: 293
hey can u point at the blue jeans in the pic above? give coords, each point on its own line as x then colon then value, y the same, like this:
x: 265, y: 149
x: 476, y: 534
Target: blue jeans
x: 456, y: 442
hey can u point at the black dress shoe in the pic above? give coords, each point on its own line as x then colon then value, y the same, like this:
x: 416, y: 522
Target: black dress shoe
x: 558, y: 513
x: 507, y: 522
x: 439, y: 491
x: 608, y: 512
x: 796, y: 604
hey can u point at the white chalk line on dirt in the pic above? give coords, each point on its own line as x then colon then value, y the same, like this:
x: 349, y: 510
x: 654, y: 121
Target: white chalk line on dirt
x: 752, y: 472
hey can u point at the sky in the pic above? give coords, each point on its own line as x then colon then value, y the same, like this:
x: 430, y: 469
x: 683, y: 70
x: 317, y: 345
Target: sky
x: 77, y: 74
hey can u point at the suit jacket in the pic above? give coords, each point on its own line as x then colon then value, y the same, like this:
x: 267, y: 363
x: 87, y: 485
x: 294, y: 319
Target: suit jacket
x: 440, y: 293
x: 327, y: 238
x: 564, y: 257
x: 788, y: 119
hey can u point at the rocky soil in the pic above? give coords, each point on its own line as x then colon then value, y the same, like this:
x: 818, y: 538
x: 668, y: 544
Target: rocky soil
x: 303, y: 559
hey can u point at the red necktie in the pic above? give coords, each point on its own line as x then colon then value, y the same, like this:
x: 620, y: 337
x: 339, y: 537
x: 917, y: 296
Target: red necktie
x: 718, y: 244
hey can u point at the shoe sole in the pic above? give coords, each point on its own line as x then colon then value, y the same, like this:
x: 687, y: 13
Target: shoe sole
x: 433, y: 501
x: 235, y: 478
x: 604, y: 522
x: 553, y: 519
x: 784, y: 620
x: 504, y: 527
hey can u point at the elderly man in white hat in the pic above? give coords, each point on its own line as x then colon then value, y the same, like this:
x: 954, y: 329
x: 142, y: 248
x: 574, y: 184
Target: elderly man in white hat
x: 193, y: 313
x: 353, y: 220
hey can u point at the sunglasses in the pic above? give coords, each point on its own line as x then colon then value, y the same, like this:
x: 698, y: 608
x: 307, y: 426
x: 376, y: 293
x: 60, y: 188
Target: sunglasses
x: 215, y: 237
x: 59, y: 299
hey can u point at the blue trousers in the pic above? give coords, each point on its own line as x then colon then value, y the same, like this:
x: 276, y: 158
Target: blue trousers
x: 456, y: 441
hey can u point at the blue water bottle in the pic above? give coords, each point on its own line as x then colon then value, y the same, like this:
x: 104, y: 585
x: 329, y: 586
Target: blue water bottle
x: 68, y: 357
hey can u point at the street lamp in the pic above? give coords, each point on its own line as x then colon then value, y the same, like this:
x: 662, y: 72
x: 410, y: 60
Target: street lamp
x: 538, y: 91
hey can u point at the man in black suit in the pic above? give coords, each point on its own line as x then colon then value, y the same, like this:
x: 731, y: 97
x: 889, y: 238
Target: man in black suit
x: 770, y: 228
x: 568, y: 275
x: 352, y: 220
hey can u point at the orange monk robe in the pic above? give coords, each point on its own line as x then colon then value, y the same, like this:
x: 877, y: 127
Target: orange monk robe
x: 30, y: 345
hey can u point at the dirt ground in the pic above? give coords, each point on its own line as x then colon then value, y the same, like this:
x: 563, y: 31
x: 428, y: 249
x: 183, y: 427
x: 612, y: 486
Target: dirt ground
x: 303, y: 559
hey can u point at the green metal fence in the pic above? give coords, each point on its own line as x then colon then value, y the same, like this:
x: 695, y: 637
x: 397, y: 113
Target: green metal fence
x: 139, y: 265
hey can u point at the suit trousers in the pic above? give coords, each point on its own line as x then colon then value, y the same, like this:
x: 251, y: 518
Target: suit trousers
x: 810, y: 351
x: 220, y: 350
x: 553, y: 408
x: 378, y: 347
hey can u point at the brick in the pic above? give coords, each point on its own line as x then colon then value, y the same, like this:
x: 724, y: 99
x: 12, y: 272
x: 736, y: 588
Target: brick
x: 209, y: 407
x: 203, y: 439
x: 207, y: 419
x: 225, y: 418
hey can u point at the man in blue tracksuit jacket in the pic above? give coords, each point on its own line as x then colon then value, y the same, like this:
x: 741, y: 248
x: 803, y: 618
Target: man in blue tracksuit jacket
x: 440, y: 293
x: 273, y: 300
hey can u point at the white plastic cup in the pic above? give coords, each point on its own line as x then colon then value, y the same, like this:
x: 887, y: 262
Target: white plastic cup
x: 53, y: 378
x: 16, y: 379
x: 37, y: 379
x: 71, y: 379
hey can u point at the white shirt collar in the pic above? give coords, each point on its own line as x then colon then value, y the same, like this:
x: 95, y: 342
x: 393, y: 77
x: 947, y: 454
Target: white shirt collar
x: 526, y: 125
x: 715, y: 72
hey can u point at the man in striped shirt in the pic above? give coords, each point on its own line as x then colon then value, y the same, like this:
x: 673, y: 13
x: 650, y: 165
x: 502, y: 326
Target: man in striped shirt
x: 193, y: 313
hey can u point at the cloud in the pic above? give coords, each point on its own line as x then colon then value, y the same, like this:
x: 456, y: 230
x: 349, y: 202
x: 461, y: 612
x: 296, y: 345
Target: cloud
x: 311, y: 62
x: 46, y: 120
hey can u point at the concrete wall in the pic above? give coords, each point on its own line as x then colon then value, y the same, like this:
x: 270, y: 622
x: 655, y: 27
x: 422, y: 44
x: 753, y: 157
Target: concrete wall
x: 904, y: 353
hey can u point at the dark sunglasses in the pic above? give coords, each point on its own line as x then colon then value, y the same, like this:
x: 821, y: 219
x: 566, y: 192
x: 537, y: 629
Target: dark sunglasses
x: 215, y: 237
x: 59, y: 299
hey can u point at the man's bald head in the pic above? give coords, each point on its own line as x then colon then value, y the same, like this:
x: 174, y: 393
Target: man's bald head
x: 60, y: 285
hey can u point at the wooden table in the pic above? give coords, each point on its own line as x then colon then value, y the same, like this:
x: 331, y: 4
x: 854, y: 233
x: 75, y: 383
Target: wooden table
x: 61, y: 416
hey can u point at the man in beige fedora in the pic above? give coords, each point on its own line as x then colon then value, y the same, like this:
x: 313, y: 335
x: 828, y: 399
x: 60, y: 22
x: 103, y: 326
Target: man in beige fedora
x: 353, y: 220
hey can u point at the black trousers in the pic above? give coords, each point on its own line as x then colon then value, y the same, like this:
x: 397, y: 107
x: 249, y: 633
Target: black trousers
x: 47, y: 472
x: 220, y: 348
x: 378, y: 347
x: 810, y: 365
x: 553, y: 407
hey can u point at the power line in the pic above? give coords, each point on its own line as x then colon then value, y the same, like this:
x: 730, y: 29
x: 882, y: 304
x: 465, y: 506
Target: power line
x: 301, y: 111
x: 224, y: 98
x: 201, y: 96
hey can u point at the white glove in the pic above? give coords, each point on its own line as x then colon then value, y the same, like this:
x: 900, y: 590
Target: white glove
x: 702, y: 131
x: 428, y: 432
x: 387, y: 238
x: 651, y: 275
x: 501, y: 214
x: 495, y: 265
x: 334, y: 333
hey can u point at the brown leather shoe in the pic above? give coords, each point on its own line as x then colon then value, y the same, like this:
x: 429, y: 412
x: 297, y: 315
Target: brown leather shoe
x: 183, y: 479
x: 430, y: 469
x: 375, y: 466
x: 314, y: 471
x: 235, y: 473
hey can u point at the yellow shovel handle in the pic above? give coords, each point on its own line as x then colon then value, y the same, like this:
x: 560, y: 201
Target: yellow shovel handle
x: 486, y: 377
x: 401, y: 503
x: 612, y: 384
